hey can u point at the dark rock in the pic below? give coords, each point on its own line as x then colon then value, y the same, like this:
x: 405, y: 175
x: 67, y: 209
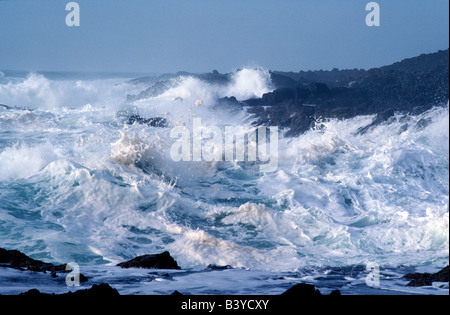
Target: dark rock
x: 423, y: 123
x: 215, y: 77
x: 427, y: 279
x: 176, y: 293
x: 33, y: 292
x: 279, y: 96
x: 102, y: 289
x: 157, y: 261
x: 442, y: 276
x: 403, y: 128
x: 17, y: 260
x: 228, y: 101
x: 152, y: 122
x: 217, y: 267
x: 380, y: 118
x: 83, y: 278
x: 333, y: 78
x: 411, y: 86
x: 280, y: 80
x: 302, y: 290
x: 421, y: 282
x: 319, y: 89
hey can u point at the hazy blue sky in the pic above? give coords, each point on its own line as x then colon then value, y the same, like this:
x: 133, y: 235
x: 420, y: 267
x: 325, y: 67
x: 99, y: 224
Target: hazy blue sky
x: 202, y: 35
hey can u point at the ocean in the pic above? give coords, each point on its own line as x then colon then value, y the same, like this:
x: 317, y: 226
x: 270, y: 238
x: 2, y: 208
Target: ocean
x: 79, y: 183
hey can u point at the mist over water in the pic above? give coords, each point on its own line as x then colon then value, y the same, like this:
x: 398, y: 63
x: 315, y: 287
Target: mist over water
x: 77, y: 183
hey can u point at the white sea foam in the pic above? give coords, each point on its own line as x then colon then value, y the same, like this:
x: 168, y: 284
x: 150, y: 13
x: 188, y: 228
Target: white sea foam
x: 104, y: 191
x: 37, y: 91
x: 22, y: 161
x: 245, y: 84
x: 178, y: 102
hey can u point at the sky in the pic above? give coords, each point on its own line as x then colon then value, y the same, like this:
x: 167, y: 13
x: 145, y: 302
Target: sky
x: 202, y: 35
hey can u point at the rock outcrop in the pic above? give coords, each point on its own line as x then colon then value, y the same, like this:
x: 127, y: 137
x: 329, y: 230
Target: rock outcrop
x: 427, y: 279
x: 102, y: 289
x: 157, y: 261
x: 306, y: 290
x: 411, y: 86
x: 17, y: 260
x: 160, y: 122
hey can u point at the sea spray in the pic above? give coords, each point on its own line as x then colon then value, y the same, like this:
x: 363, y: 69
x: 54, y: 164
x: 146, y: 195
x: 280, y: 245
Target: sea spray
x: 80, y: 184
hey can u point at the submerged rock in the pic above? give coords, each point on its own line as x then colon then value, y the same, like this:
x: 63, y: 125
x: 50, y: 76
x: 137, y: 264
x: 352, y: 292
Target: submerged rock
x: 102, y: 289
x: 302, y: 289
x: 157, y: 261
x: 160, y: 122
x: 427, y: 279
x: 218, y: 267
x: 229, y: 101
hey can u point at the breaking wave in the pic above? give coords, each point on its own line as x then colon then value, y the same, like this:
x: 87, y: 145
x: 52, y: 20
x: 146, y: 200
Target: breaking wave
x: 77, y: 183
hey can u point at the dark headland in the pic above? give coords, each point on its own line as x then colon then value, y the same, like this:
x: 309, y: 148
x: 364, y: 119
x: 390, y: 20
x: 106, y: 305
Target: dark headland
x: 411, y: 86
x: 300, y: 99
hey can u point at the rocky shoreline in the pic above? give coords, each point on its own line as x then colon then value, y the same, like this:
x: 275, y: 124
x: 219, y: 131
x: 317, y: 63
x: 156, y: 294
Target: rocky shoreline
x: 164, y: 261
x: 302, y: 100
x: 427, y: 279
x: 298, y: 102
x: 411, y: 86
